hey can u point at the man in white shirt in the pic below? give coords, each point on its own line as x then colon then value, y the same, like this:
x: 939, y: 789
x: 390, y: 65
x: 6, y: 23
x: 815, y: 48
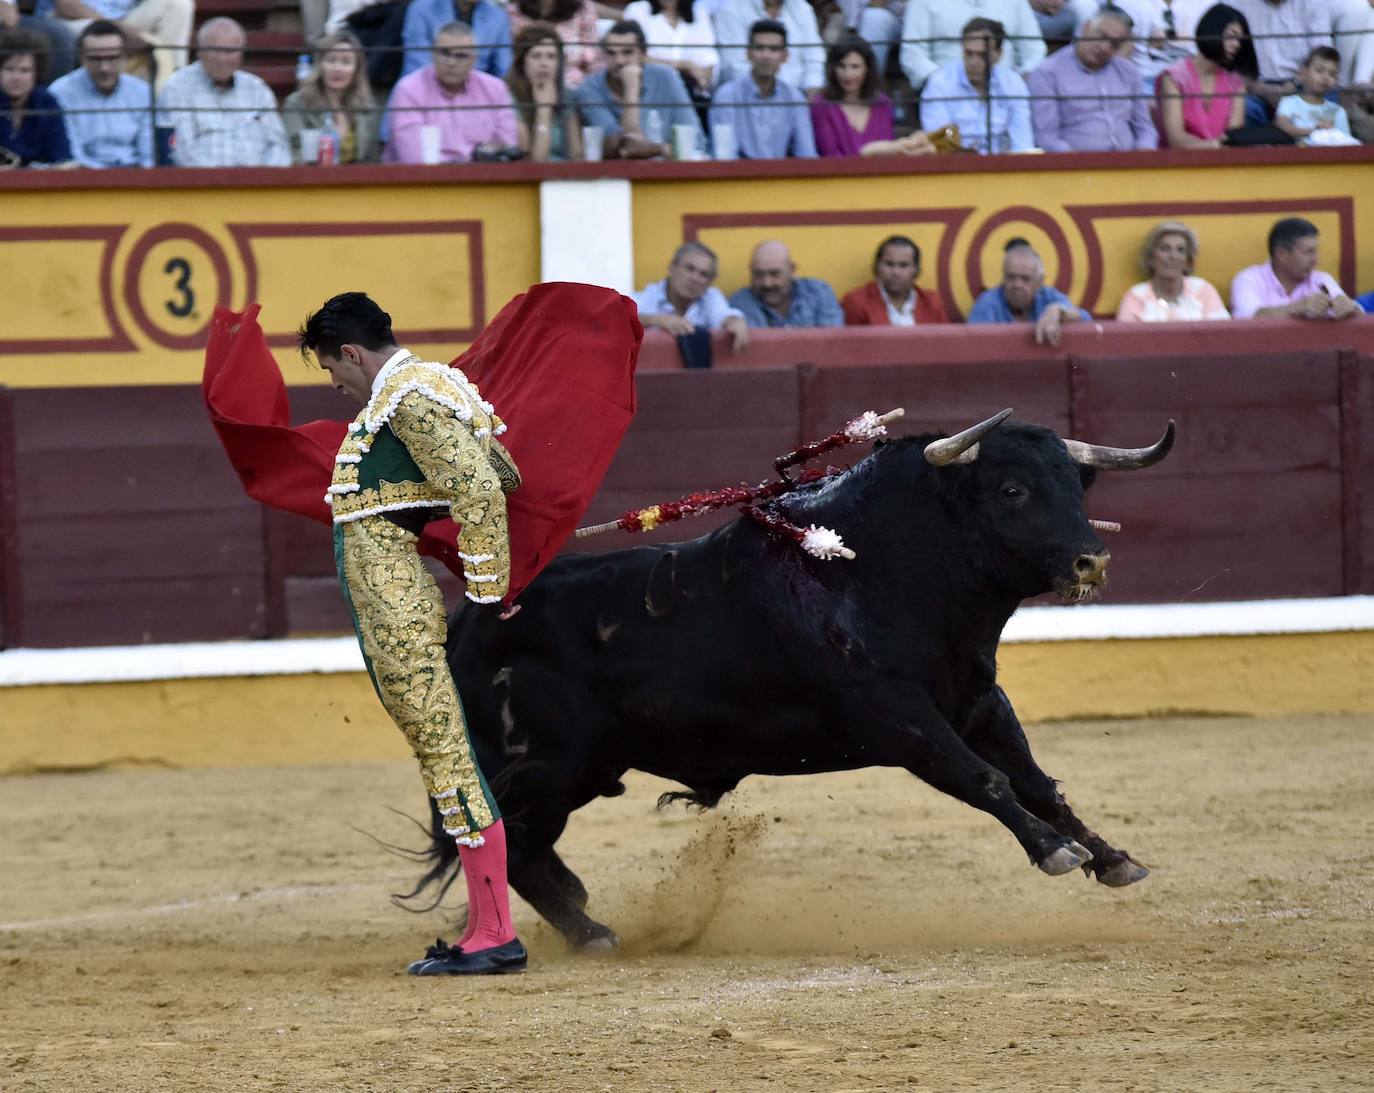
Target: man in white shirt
x: 686, y: 298
x: 932, y: 34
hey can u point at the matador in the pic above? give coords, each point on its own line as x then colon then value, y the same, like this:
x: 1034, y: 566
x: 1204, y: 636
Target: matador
x: 423, y: 446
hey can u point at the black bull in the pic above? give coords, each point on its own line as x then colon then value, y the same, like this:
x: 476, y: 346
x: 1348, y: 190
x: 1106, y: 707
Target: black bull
x: 735, y: 654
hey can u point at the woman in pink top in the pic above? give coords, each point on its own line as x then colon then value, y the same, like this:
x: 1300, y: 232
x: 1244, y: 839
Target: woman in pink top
x: 575, y: 21
x: 850, y: 116
x: 1171, y: 294
x: 1201, y: 97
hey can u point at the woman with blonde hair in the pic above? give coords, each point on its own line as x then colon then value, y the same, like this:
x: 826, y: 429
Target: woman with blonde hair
x: 1172, y: 294
x: 545, y: 120
x: 336, y: 95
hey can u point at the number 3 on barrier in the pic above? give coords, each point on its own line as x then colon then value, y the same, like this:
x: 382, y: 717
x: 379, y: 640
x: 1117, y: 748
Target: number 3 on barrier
x: 181, y: 270
x: 174, y: 276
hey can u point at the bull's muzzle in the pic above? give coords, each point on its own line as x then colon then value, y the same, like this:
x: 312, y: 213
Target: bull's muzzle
x: 1092, y: 568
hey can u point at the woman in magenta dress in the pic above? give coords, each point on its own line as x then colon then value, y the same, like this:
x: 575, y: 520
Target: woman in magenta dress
x: 1201, y: 97
x: 850, y: 116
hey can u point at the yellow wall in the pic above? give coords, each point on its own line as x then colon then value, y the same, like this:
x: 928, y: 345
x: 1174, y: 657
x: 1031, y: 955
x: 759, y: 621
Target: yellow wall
x: 1230, y: 207
x: 425, y: 246
x: 324, y: 718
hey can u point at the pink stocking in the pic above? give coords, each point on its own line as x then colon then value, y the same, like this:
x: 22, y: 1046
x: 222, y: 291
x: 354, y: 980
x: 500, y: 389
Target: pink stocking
x: 489, y: 921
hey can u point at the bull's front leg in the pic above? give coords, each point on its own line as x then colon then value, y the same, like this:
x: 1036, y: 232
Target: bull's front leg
x: 917, y: 737
x: 994, y: 732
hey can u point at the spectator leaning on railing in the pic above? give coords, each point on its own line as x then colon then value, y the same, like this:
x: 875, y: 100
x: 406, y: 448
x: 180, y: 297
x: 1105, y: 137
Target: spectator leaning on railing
x: 1289, y: 284
x: 1087, y: 99
x: 851, y: 116
x: 464, y: 108
x: 767, y: 116
x: 106, y: 109
x: 635, y: 104
x: 932, y: 33
x: 218, y: 115
x: 776, y: 296
x: 893, y: 298
x: 546, y: 120
x: 1023, y: 297
x: 805, y: 64
x: 31, y: 127
x: 490, y: 25
x: 966, y: 91
x: 336, y: 97
x: 163, y: 26
x: 61, y: 41
x: 1202, y: 97
x: 1172, y: 294
x: 575, y: 22
x: 686, y: 299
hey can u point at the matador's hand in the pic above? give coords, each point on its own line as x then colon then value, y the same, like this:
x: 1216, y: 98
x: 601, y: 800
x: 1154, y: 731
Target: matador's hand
x: 509, y: 612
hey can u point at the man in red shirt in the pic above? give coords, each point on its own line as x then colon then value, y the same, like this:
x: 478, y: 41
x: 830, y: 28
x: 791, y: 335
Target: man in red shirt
x: 893, y: 298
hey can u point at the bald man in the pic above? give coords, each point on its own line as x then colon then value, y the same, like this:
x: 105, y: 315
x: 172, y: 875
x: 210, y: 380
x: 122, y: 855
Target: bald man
x: 221, y: 116
x: 777, y: 297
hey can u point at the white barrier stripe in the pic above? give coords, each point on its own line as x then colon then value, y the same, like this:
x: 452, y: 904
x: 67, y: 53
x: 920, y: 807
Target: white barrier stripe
x: 303, y: 656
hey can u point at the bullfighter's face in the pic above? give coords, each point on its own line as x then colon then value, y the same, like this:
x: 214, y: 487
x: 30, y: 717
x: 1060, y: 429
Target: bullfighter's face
x: 346, y: 373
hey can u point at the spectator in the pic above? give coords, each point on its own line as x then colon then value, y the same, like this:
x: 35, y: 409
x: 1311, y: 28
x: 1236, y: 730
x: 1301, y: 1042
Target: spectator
x: 1353, y: 22
x: 336, y: 96
x: 30, y: 118
x: 768, y: 116
x: 851, y: 116
x: 1307, y: 112
x: 1023, y: 297
x: 893, y: 298
x: 805, y: 63
x: 613, y: 98
x: 106, y: 110
x: 965, y: 92
x: 1202, y: 97
x: 576, y: 23
x: 545, y: 118
x: 1086, y: 98
x: 686, y: 298
x: 1059, y: 20
x: 1172, y: 294
x: 932, y: 31
x: 877, y: 22
x: 163, y: 26
x: 471, y: 110
x: 777, y: 297
x: 1284, y: 32
x: 1155, y: 42
x: 491, y: 28
x: 61, y: 41
x: 1290, y: 283
x: 681, y: 38
x: 219, y: 115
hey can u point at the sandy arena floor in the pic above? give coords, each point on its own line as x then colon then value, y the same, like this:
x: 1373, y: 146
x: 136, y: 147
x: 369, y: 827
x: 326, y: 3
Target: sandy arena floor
x: 229, y: 930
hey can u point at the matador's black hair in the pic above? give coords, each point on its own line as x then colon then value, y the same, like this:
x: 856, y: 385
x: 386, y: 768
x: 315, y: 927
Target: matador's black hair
x: 350, y: 318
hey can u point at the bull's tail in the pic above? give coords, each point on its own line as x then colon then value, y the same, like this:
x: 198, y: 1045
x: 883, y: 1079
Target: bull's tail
x: 442, y: 859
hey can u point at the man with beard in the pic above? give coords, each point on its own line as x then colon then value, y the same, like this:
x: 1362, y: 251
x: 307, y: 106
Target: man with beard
x: 777, y: 297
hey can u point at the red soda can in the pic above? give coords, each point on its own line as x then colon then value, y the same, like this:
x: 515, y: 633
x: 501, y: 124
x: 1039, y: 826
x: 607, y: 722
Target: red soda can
x: 329, y: 150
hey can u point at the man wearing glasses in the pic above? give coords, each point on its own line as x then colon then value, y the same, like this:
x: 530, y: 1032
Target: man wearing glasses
x: 463, y: 109
x: 1087, y: 98
x: 107, y: 112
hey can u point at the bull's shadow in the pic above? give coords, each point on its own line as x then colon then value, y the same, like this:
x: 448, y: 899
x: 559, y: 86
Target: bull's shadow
x: 734, y: 654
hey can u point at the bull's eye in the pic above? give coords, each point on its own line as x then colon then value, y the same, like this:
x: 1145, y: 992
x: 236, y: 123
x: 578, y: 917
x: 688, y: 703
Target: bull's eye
x: 1013, y: 491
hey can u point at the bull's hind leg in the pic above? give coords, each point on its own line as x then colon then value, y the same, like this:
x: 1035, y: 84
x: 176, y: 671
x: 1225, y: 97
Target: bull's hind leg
x: 552, y: 889
x: 995, y: 733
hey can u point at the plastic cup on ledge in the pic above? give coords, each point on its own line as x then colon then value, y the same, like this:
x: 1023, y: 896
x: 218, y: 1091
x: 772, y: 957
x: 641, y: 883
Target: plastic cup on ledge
x: 592, y: 136
x: 429, y: 144
x: 310, y: 145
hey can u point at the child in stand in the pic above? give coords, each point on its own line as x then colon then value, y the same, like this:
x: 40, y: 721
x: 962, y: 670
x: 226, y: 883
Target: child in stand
x: 1303, y: 114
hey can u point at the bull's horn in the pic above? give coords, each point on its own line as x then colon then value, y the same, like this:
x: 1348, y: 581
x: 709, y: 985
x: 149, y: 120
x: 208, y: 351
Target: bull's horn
x: 963, y: 447
x: 1121, y: 459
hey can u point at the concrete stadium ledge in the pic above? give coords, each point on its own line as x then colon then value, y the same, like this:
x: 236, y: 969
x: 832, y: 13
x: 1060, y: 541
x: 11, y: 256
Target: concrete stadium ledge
x: 308, y: 700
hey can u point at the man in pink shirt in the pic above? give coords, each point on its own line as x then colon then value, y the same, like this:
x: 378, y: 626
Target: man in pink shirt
x: 468, y: 108
x: 1290, y: 283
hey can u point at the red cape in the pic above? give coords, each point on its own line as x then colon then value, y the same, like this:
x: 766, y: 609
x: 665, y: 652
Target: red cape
x: 557, y: 363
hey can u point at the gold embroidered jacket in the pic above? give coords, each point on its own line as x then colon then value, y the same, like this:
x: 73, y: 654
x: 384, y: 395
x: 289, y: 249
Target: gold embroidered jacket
x: 427, y: 440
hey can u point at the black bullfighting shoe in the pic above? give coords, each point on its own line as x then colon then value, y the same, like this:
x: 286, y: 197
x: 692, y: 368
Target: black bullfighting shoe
x: 443, y: 959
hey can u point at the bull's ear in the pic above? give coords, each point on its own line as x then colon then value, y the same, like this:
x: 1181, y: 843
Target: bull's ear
x: 1086, y: 475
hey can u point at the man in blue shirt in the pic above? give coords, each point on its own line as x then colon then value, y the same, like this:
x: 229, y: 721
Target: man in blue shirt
x: 634, y: 103
x: 490, y: 27
x: 108, y: 113
x: 769, y: 118
x: 1023, y: 296
x: 978, y: 90
x: 777, y: 297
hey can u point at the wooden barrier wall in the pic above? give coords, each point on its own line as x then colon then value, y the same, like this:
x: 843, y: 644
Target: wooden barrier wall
x: 121, y: 521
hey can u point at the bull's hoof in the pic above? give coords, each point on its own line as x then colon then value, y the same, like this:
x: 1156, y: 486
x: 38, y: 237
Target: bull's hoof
x: 1123, y: 873
x: 600, y: 945
x: 1066, y: 859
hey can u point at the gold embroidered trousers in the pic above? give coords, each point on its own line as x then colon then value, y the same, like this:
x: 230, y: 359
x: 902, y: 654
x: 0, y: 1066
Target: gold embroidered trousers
x: 398, y: 614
